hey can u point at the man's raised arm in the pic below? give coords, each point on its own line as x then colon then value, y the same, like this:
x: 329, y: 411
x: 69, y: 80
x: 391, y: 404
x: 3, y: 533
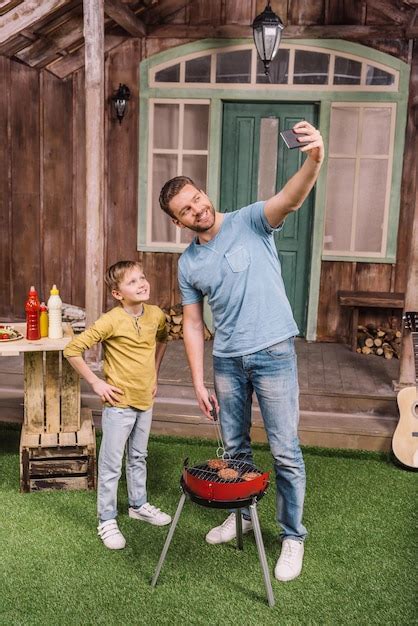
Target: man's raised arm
x: 297, y: 188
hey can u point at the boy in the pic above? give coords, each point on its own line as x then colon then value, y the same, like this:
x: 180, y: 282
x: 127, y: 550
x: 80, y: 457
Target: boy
x: 134, y: 339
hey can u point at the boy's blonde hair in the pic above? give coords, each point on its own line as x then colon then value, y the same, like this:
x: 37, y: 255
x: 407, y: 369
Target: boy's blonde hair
x: 116, y: 272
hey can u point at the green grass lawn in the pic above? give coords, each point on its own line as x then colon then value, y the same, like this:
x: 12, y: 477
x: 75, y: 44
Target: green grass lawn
x: 360, y: 558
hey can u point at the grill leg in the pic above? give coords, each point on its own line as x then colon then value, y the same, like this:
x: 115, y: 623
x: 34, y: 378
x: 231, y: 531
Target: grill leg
x: 168, y: 540
x: 261, y: 553
x: 238, y: 525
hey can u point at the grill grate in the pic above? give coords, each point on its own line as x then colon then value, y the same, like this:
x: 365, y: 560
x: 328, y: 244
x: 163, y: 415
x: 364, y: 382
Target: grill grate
x: 204, y: 472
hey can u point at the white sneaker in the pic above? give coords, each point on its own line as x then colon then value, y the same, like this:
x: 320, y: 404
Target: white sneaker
x: 150, y: 514
x: 110, y: 534
x: 227, y: 531
x: 289, y: 564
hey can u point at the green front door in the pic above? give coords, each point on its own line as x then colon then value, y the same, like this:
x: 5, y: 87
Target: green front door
x: 255, y: 165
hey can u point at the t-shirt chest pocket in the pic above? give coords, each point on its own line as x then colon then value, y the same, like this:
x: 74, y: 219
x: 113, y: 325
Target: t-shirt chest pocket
x: 238, y: 259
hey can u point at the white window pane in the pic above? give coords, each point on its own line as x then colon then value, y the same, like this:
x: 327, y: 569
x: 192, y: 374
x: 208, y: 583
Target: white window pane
x: 164, y: 168
x: 278, y: 69
x: 376, y: 76
x: 233, y: 67
x: 267, y: 165
x: 339, y: 206
x: 196, y: 126
x: 344, y: 130
x: 168, y: 74
x: 166, y: 126
x: 195, y: 167
x: 371, y: 205
x: 198, y: 70
x: 347, y: 71
x: 311, y: 68
x: 376, y: 131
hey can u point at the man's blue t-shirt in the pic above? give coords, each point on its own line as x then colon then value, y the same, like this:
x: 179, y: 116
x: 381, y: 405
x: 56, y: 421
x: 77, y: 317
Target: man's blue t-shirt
x: 240, y: 273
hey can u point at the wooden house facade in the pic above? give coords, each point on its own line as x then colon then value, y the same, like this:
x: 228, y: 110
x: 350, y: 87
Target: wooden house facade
x: 200, y: 105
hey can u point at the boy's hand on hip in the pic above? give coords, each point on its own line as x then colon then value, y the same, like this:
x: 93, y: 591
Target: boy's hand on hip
x: 108, y: 393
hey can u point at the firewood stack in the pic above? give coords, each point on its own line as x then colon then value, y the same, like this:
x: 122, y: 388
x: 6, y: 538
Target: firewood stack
x: 174, y: 317
x: 385, y: 342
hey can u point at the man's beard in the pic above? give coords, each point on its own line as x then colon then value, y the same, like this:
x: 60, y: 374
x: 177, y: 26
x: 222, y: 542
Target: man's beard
x: 203, y: 229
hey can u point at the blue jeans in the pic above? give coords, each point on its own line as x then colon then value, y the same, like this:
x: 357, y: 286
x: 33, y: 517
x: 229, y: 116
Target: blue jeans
x: 272, y: 374
x: 122, y: 428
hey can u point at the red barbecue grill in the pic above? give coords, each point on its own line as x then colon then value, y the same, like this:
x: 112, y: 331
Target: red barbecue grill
x: 207, y: 486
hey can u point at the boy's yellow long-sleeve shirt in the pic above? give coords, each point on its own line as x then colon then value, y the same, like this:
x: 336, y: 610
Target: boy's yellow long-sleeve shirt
x: 128, y: 351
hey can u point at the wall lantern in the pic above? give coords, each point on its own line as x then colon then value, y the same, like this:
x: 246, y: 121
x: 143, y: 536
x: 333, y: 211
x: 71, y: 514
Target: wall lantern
x: 120, y: 100
x: 267, y: 31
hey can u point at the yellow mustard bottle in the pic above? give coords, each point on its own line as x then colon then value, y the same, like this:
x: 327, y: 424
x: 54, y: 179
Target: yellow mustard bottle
x: 43, y: 319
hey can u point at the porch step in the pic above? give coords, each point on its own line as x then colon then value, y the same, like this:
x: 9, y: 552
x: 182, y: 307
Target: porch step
x: 324, y: 418
x: 310, y: 399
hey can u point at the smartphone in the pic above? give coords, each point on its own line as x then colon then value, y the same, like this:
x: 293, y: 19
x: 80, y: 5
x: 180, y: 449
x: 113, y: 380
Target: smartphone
x: 291, y: 139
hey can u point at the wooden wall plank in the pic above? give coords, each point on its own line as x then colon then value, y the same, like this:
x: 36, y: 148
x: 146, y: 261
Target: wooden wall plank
x: 5, y: 191
x: 57, y: 220
x: 333, y: 324
x: 122, y: 150
x: 203, y: 12
x: 25, y: 133
x: 78, y: 257
x: 238, y: 12
x: 306, y: 13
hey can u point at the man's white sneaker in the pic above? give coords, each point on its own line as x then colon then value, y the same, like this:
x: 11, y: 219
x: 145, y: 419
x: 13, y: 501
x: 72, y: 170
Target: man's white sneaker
x: 227, y: 531
x: 110, y: 534
x: 150, y: 514
x: 289, y: 565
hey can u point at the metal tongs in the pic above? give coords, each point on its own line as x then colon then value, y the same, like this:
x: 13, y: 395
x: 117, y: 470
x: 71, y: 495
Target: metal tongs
x: 220, y: 450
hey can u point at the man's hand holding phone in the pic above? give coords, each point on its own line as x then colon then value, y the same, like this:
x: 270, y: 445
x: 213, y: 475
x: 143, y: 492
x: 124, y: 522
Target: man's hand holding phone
x: 305, y: 137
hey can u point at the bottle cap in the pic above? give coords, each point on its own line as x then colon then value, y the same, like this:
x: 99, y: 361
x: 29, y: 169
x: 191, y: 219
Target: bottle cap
x: 43, y: 307
x: 32, y: 289
x: 54, y: 291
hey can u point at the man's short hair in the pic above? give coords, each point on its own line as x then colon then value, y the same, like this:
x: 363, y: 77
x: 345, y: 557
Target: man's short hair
x: 171, y: 188
x: 116, y: 272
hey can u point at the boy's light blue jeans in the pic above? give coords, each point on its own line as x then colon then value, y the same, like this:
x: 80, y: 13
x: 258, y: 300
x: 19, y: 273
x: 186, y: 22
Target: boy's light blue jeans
x: 122, y: 428
x: 272, y: 374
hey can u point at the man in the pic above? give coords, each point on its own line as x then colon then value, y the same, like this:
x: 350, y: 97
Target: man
x: 233, y: 260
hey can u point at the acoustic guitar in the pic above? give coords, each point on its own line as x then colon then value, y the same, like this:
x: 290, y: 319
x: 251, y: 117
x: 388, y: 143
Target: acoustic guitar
x: 405, y: 437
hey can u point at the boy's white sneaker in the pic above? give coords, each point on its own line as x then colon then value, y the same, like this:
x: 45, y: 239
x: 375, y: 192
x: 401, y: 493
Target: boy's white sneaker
x: 227, y: 530
x: 289, y: 564
x: 110, y: 534
x: 150, y: 514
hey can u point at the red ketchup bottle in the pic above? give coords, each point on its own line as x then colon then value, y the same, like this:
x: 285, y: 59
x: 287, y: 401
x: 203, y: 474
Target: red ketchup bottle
x: 32, y: 307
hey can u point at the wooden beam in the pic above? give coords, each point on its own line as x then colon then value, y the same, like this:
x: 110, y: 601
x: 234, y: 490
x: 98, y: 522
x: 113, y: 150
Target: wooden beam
x: 164, y: 9
x: 94, y: 82
x: 46, y: 48
x: 74, y: 61
x: 351, y: 32
x: 126, y: 18
x: 26, y: 15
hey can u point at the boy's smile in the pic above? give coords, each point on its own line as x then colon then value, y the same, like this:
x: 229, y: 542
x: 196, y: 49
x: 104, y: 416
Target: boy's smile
x: 133, y: 290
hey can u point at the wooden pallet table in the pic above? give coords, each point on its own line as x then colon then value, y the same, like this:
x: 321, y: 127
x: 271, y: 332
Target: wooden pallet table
x: 58, y: 443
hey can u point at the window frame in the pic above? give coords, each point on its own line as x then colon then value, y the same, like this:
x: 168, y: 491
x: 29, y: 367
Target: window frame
x: 375, y: 256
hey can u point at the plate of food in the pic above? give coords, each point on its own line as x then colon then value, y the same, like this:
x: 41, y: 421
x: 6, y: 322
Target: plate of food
x: 8, y: 333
